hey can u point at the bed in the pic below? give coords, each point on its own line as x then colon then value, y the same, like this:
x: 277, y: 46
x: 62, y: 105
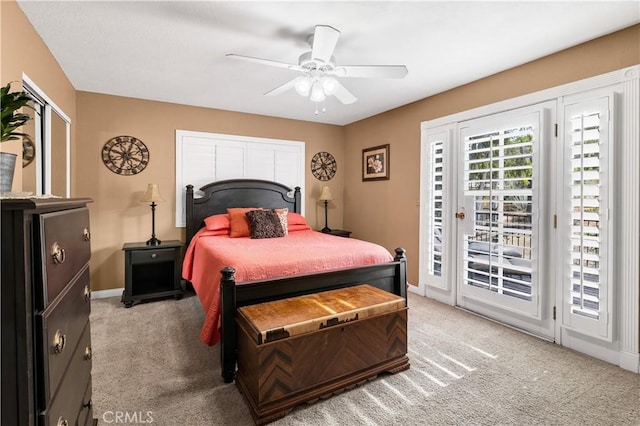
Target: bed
x: 222, y: 288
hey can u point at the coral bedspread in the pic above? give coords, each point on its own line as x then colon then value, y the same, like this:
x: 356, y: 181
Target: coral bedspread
x: 258, y: 259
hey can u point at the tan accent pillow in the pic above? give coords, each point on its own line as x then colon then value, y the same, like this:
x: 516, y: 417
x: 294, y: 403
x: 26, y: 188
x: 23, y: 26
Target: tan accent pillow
x: 282, y: 215
x: 238, y: 222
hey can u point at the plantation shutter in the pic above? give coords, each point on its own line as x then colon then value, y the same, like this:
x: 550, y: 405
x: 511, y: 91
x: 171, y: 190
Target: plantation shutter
x: 500, y: 174
x: 203, y: 158
x: 434, y: 256
x: 586, y: 276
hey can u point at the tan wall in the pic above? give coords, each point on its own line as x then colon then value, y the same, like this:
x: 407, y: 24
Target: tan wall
x: 23, y: 51
x: 382, y: 211
x: 385, y: 212
x: 116, y: 214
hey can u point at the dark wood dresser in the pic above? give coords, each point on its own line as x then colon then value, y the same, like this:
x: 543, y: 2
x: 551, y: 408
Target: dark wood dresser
x: 46, y: 301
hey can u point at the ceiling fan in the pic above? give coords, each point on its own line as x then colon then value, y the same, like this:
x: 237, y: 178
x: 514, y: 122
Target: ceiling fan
x: 320, y: 69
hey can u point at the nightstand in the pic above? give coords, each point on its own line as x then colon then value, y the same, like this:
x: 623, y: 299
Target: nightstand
x: 151, y: 271
x: 339, y: 233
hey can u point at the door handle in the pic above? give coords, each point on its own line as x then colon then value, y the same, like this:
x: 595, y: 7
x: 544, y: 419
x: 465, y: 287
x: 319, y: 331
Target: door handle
x: 460, y: 215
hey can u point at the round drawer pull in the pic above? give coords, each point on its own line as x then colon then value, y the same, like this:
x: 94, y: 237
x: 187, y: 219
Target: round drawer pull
x: 62, y: 421
x: 86, y: 235
x: 88, y: 354
x: 57, y: 253
x: 59, y: 340
x: 154, y: 255
x: 87, y: 293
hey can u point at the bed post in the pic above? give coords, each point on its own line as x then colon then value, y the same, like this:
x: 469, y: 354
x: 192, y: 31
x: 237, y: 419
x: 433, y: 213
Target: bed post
x: 228, y: 327
x: 189, y: 214
x: 400, y: 281
x: 297, y: 197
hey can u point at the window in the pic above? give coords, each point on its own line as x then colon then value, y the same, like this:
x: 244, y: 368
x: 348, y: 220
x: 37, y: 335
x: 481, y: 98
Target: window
x: 433, y: 256
x: 585, y: 217
x: 202, y: 158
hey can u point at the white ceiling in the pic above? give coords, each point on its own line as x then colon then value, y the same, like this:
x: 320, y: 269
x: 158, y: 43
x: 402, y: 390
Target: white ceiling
x: 174, y: 51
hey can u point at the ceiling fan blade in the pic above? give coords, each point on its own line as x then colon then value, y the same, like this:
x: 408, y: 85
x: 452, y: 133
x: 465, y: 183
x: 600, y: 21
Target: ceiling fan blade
x: 343, y: 95
x: 371, y: 71
x: 264, y: 62
x: 325, y: 39
x: 282, y: 88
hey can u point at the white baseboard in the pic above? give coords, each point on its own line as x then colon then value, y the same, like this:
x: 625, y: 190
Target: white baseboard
x: 415, y: 289
x: 103, y: 294
x: 630, y: 361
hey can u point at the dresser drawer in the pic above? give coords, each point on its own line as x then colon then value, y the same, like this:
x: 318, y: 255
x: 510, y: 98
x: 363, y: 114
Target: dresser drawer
x: 85, y: 418
x: 70, y: 400
x: 60, y: 328
x: 152, y: 256
x: 65, y: 249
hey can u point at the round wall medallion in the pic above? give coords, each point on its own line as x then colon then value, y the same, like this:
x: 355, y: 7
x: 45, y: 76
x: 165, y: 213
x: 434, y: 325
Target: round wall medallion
x: 28, y: 151
x: 125, y: 155
x: 323, y: 166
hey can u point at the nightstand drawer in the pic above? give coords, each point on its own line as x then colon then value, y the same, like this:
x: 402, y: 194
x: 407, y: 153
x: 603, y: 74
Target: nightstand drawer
x: 152, y: 256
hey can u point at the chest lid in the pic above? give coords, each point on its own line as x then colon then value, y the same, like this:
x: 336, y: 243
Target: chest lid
x: 303, y: 314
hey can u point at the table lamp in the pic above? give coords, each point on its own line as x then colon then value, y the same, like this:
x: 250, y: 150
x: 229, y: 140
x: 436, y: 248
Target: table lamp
x: 151, y: 196
x: 325, y: 196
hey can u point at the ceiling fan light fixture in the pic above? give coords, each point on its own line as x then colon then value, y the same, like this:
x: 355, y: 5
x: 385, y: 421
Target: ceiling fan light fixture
x: 303, y: 86
x: 329, y: 85
x: 317, y: 92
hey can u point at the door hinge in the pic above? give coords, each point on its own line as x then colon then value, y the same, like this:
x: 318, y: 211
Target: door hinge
x: 555, y: 221
x: 554, y: 313
x: 555, y: 129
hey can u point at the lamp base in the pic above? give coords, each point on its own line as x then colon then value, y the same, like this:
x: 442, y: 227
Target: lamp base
x: 326, y: 230
x: 153, y: 241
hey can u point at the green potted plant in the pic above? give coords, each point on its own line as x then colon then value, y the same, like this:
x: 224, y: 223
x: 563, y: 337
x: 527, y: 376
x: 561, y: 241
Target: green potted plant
x: 12, y: 119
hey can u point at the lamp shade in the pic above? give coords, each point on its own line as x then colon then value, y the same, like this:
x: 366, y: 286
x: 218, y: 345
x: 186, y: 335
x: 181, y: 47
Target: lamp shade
x: 303, y: 85
x: 317, y: 92
x: 325, y: 195
x: 152, y: 194
x: 329, y: 85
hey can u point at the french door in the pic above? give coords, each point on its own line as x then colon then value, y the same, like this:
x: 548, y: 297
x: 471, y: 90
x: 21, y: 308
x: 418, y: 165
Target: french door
x: 500, y: 230
x: 529, y: 215
x: 484, y: 185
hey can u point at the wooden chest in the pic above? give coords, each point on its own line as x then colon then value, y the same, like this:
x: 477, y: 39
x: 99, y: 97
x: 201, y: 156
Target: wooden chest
x: 296, y: 350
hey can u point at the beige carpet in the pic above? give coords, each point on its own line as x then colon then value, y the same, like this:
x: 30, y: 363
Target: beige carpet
x: 149, y: 365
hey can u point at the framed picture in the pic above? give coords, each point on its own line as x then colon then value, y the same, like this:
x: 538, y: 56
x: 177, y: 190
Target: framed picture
x: 375, y: 163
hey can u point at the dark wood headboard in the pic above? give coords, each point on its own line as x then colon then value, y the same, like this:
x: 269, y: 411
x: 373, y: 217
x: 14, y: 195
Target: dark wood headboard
x: 218, y: 196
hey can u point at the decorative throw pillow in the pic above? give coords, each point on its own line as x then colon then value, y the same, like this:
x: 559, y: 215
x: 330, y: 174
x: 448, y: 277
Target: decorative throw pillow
x: 217, y: 222
x: 282, y: 215
x: 238, y: 223
x: 293, y: 228
x: 264, y: 224
x: 296, y: 219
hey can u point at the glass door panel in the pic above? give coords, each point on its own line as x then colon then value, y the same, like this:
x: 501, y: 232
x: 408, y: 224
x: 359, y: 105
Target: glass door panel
x: 499, y: 191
